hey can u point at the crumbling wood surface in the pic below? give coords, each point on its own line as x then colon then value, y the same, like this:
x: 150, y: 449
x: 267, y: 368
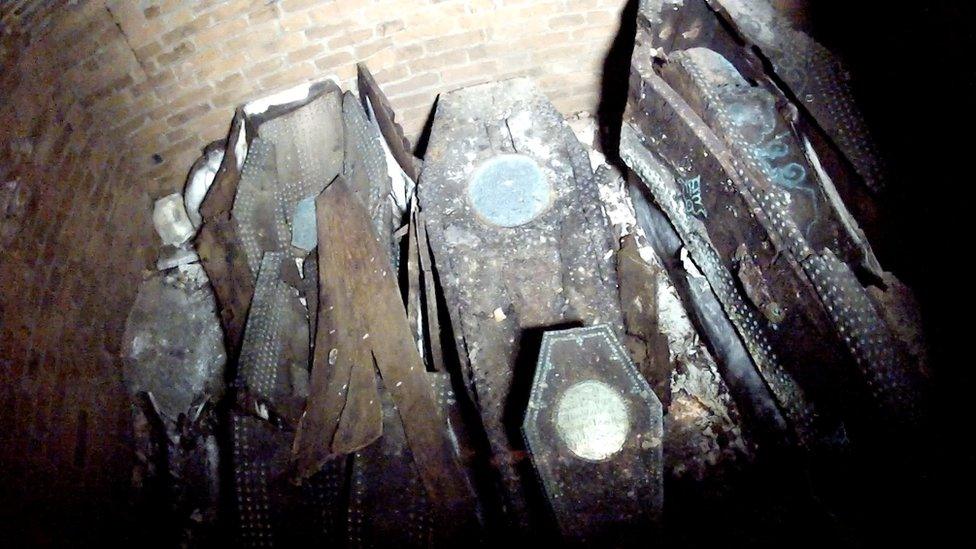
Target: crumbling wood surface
x: 363, y: 332
x: 644, y: 340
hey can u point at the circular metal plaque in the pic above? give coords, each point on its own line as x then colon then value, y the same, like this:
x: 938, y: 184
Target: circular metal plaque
x: 509, y: 190
x: 591, y: 419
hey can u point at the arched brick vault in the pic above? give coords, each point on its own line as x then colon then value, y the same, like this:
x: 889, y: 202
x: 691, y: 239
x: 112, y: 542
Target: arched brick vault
x: 104, y: 105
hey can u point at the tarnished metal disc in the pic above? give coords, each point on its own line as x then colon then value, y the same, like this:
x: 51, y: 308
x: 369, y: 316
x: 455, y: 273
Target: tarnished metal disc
x: 592, y: 420
x: 509, y: 190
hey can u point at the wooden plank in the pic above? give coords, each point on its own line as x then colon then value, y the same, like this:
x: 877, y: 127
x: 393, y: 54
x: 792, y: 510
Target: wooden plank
x: 363, y: 328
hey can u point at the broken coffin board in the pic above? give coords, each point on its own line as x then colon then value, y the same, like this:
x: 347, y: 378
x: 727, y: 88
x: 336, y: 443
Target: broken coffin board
x: 594, y: 430
x: 519, y: 242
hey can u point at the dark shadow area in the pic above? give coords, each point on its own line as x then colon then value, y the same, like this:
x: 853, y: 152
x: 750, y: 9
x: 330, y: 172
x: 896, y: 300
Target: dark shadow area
x: 420, y: 147
x: 613, y: 85
x: 913, y: 80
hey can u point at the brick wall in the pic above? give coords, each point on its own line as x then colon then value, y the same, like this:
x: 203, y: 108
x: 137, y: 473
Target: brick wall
x: 104, y: 105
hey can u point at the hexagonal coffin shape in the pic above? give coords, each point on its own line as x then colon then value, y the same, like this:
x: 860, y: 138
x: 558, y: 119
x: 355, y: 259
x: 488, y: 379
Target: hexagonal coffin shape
x: 594, y: 429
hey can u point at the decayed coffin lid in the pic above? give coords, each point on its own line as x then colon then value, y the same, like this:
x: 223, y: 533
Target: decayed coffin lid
x: 754, y: 35
x: 736, y: 204
x: 508, y: 265
x: 594, y: 429
x: 816, y: 229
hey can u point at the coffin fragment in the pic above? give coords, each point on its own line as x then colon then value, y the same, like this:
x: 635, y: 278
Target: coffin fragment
x: 388, y: 504
x: 257, y: 214
x: 378, y: 106
x: 270, y: 509
x: 514, y: 223
x: 594, y: 428
x: 272, y: 385
x: 363, y: 331
x: 220, y: 248
x: 273, y: 363
x: 170, y: 257
x: 364, y: 169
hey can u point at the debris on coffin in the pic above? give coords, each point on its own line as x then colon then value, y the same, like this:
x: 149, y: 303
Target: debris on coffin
x: 514, y: 222
x: 173, y: 366
x: 594, y: 430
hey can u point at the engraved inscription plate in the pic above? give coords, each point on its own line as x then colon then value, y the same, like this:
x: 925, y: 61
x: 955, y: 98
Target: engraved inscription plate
x: 509, y: 190
x: 591, y: 419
